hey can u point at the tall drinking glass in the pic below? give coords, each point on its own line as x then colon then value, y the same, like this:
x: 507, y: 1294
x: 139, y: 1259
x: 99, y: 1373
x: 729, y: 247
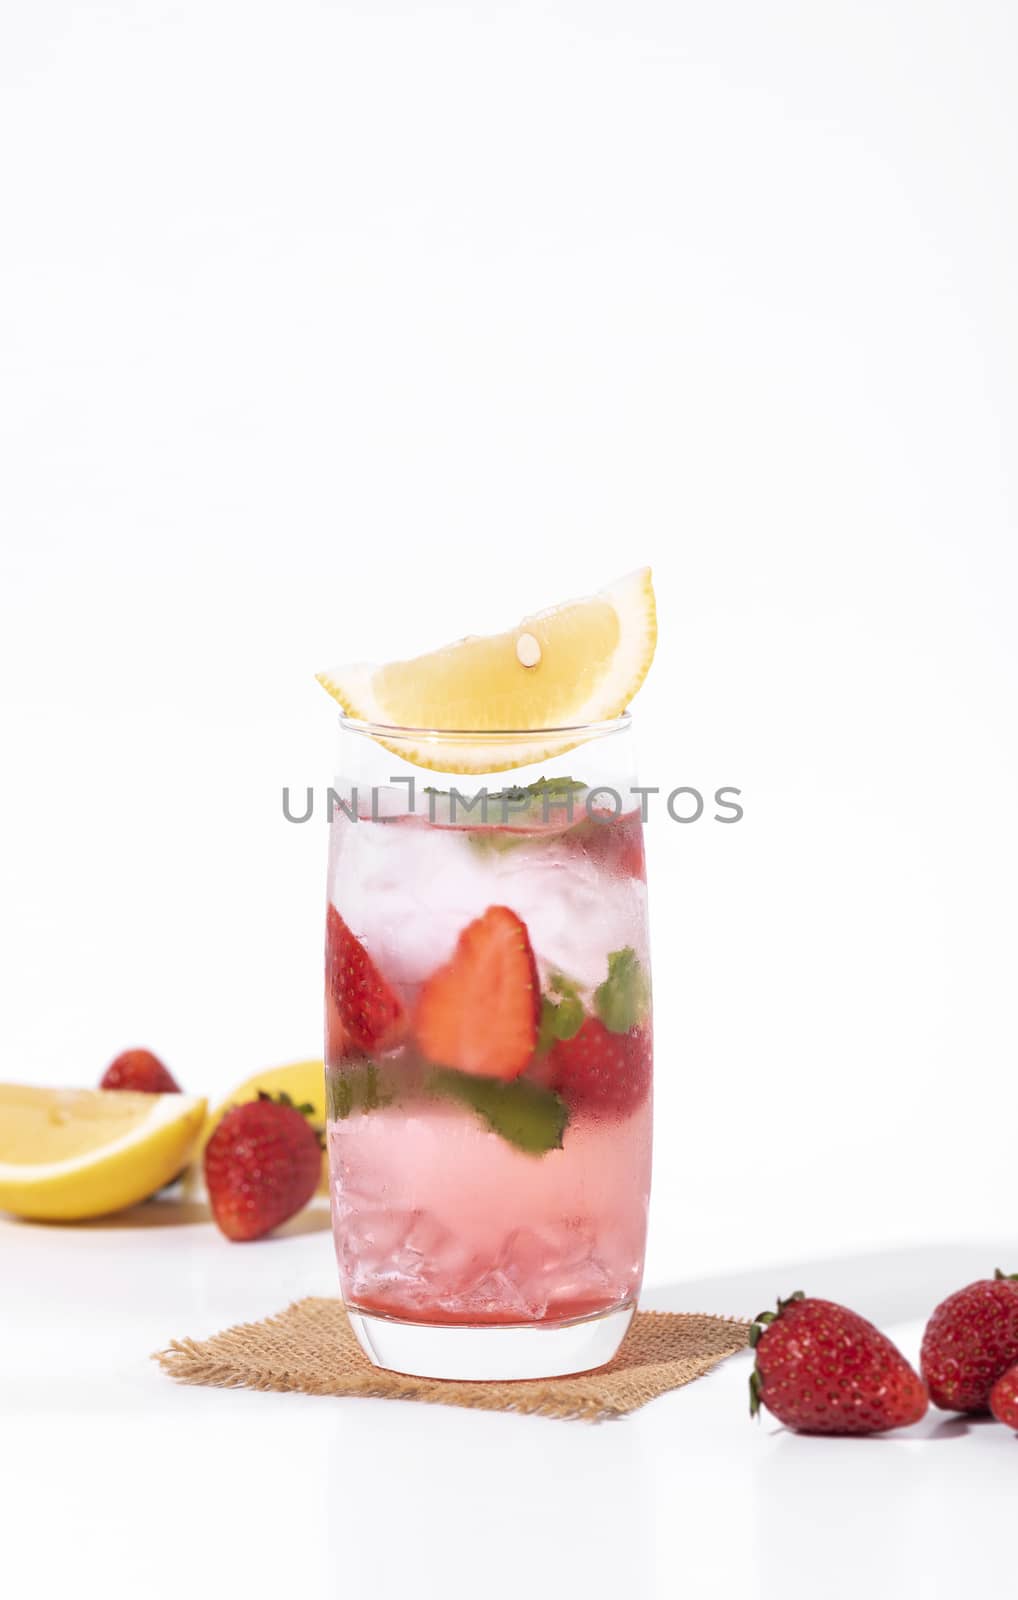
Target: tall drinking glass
x: 488, y: 1047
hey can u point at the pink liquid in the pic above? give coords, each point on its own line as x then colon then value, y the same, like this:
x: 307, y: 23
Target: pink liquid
x: 437, y: 1217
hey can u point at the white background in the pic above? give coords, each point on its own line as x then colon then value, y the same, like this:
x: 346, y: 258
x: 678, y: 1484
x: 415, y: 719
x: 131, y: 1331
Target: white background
x: 332, y: 332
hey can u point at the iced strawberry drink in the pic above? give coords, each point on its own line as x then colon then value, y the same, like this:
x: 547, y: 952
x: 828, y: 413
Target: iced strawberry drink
x: 489, y: 1059
x: 488, y: 1050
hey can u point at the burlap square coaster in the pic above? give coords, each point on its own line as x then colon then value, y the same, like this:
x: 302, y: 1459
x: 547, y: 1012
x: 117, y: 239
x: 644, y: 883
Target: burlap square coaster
x: 311, y: 1348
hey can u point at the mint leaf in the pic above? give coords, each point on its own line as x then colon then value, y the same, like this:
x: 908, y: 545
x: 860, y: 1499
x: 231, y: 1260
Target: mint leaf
x: 569, y: 1010
x: 546, y: 1034
x: 540, y: 797
x: 525, y: 1115
x: 562, y: 1018
x: 623, y: 1000
x: 357, y: 1086
x: 569, y: 1018
x: 553, y: 788
x: 517, y: 807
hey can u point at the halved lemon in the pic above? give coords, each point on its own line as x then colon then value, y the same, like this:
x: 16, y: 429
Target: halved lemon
x: 66, y: 1154
x: 303, y: 1081
x: 578, y: 663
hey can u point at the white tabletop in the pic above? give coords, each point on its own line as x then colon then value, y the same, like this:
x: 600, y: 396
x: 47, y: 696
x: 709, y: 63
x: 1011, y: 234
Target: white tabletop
x: 116, y: 1480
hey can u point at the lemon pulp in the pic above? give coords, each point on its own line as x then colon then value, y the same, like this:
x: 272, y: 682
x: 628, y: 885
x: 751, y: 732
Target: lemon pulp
x: 67, y: 1154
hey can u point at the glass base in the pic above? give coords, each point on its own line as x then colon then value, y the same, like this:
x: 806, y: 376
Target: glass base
x: 488, y: 1353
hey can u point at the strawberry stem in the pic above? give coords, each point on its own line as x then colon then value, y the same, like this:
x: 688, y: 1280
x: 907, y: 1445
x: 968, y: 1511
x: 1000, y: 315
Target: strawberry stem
x: 783, y: 1305
x: 306, y: 1109
x: 761, y: 1322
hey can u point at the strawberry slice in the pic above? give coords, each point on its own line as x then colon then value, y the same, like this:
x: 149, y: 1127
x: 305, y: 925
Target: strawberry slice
x: 479, y: 1012
x: 363, y: 1013
x: 602, y: 1071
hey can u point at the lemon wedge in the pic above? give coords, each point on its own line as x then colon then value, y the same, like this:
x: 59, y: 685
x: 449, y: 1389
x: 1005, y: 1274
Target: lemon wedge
x: 66, y: 1154
x: 303, y: 1081
x: 580, y: 662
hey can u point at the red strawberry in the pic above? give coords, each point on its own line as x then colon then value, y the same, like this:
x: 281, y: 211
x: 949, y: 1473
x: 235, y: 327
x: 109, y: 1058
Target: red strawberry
x: 615, y: 845
x: 823, y: 1369
x: 139, y: 1070
x: 1004, y: 1398
x: 970, y: 1341
x: 370, y: 1017
x: 479, y: 1013
x: 603, y: 1071
x: 262, y: 1165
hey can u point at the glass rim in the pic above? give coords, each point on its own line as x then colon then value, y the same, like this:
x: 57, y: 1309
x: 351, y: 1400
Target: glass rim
x: 585, y: 730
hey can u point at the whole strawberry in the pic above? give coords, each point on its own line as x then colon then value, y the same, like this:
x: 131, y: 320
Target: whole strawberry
x: 970, y: 1341
x: 822, y: 1369
x: 139, y: 1070
x: 603, y: 1071
x: 602, y: 1064
x: 262, y: 1166
x: 1004, y: 1399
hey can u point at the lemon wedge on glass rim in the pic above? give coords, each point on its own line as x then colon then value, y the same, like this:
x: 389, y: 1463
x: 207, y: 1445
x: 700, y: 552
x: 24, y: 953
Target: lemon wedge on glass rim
x: 554, y: 673
x: 67, y: 1154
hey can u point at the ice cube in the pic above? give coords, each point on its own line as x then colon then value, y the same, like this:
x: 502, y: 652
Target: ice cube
x: 408, y: 890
